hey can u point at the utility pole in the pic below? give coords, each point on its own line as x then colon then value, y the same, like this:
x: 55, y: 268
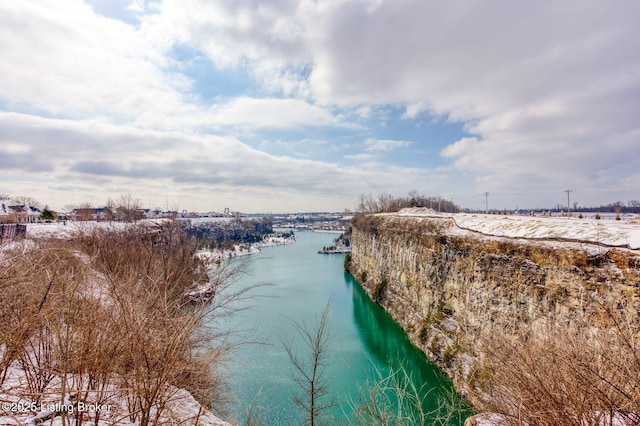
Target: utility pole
x: 486, y: 202
x: 568, y: 191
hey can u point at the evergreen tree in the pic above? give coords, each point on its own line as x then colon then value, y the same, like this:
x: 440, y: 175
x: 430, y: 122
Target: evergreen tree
x: 47, y: 214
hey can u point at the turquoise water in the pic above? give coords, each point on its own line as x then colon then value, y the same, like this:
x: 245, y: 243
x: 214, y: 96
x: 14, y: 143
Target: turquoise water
x: 364, y: 341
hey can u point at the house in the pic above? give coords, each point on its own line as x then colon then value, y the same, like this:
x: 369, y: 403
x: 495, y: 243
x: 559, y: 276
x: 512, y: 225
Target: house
x: 10, y: 211
x: 92, y: 213
x: 24, y: 213
x: 6, y: 215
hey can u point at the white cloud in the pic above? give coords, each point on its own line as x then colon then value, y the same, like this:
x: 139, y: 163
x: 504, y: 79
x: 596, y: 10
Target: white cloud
x: 60, y: 58
x: 364, y: 111
x: 101, y: 67
x: 548, y: 90
x: 378, y: 145
x: 374, y: 6
x: 360, y: 157
x: 148, y: 162
x: 270, y: 113
x: 14, y: 148
x: 413, y: 109
x: 136, y: 5
x: 230, y: 33
x: 460, y: 148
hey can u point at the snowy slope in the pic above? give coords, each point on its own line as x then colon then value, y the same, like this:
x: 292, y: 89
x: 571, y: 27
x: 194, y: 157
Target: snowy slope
x: 607, y: 232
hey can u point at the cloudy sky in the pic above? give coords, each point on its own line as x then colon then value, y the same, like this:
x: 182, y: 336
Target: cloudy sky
x: 301, y: 105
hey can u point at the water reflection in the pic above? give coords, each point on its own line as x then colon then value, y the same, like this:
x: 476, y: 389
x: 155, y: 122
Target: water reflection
x: 391, y: 350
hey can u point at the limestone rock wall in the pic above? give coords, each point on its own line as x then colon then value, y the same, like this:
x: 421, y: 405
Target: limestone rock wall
x: 445, y: 289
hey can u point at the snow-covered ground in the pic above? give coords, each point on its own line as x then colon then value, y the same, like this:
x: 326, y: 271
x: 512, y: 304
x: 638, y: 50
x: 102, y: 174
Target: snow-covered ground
x: 493, y: 419
x: 614, y: 233
x: 68, y: 229
x: 15, y: 410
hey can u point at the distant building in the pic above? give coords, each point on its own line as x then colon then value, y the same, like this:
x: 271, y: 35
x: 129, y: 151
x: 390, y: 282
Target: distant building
x: 10, y: 211
x: 86, y: 214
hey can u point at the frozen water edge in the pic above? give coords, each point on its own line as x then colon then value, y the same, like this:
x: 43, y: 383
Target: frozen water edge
x: 271, y: 240
x: 216, y: 256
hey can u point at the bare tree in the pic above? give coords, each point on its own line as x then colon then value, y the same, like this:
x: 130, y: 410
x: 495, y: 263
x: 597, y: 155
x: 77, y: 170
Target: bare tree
x: 27, y: 201
x: 366, y: 204
x: 126, y: 208
x: 310, y: 368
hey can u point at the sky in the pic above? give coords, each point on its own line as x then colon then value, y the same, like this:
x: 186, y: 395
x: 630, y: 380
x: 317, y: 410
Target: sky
x: 303, y: 105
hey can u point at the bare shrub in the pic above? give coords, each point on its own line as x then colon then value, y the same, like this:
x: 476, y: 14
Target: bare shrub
x: 412, y: 229
x: 150, y: 274
x: 380, y: 290
x: 18, y: 306
x: 582, y: 375
x: 420, y: 230
x: 367, y: 223
x: 390, y: 203
x: 111, y: 314
x: 28, y: 279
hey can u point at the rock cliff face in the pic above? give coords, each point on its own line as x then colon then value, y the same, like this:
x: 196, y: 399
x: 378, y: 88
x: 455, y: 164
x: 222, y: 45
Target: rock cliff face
x: 446, y: 287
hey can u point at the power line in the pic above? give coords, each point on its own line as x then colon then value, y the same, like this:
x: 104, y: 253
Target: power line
x: 568, y: 191
x: 486, y: 202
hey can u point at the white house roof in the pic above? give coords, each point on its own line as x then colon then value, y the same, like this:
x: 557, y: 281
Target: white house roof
x: 9, y: 207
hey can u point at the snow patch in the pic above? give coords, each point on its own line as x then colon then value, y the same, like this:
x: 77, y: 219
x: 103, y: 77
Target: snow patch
x: 271, y: 240
x: 182, y: 408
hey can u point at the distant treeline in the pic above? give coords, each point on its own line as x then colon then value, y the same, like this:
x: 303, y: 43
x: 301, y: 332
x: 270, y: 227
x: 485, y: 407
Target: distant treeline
x: 389, y: 203
x: 632, y: 206
x: 223, y: 234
